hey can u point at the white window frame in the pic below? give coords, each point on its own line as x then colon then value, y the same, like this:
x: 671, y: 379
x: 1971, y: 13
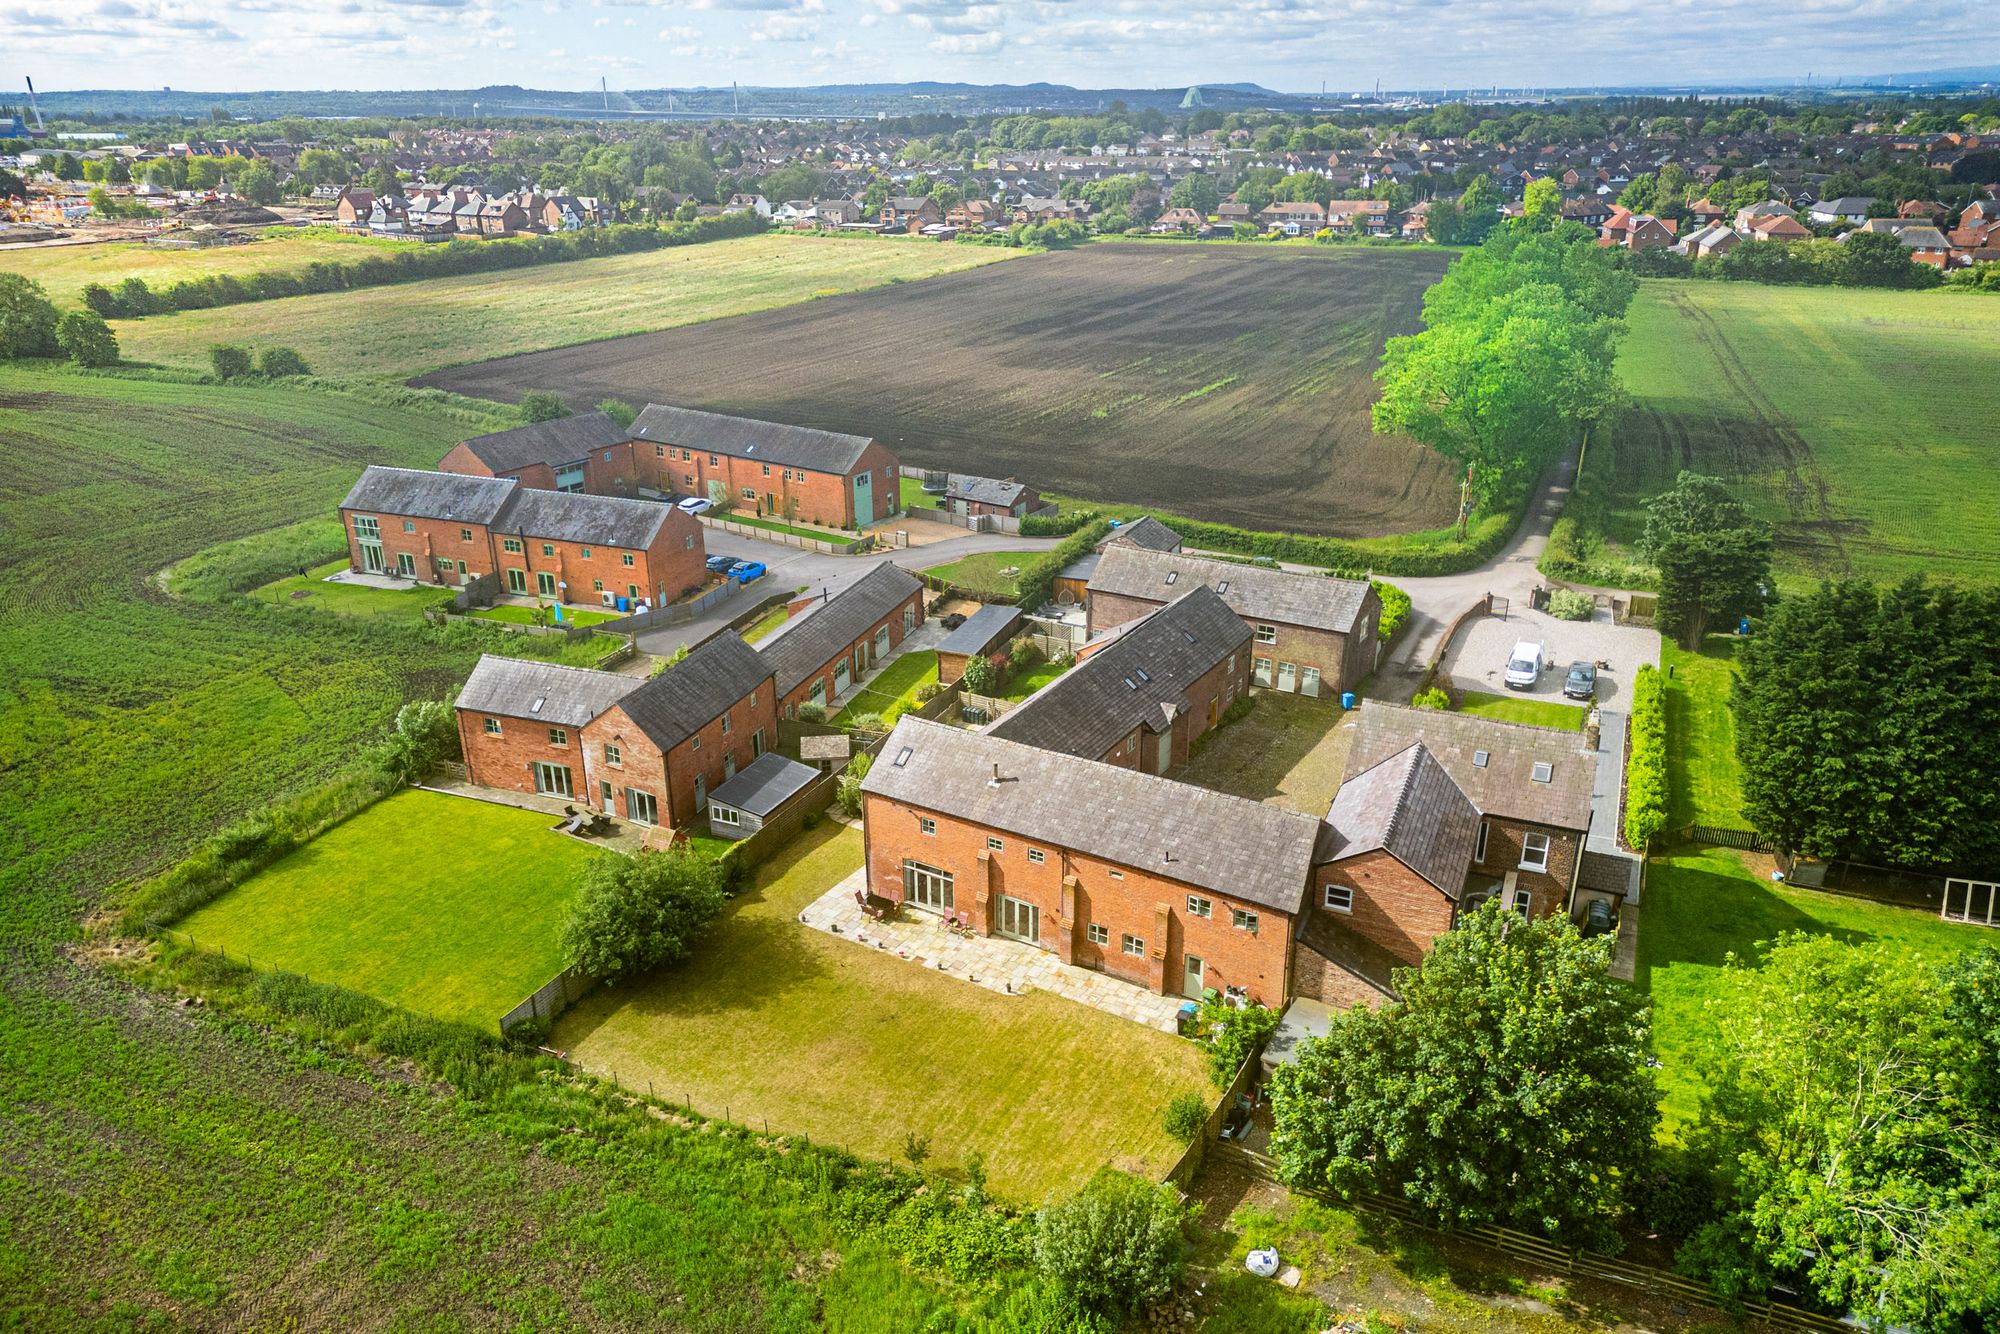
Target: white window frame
x: 558, y: 736
x: 1131, y: 946
x: 1198, y: 906
x: 724, y: 815
x: 1479, y: 848
x: 1339, y: 898
x: 1098, y: 934
x: 493, y: 727
x: 995, y: 844
x: 614, y: 756
x: 1243, y: 920
x: 926, y: 825
x: 1267, y: 634
x: 1528, y: 850
x: 1036, y: 856
x: 652, y: 806
x: 1522, y: 902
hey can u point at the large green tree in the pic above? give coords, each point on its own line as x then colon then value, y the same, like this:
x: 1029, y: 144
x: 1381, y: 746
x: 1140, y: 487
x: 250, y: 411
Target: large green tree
x: 1714, y: 559
x: 1851, y: 1107
x: 635, y: 914
x: 27, y: 319
x: 1196, y: 191
x: 86, y: 339
x: 1509, y: 1085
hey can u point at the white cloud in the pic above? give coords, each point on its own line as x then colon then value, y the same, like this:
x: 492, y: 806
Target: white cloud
x: 966, y: 44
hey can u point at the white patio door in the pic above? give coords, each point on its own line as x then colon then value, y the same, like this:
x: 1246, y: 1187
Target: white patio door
x: 552, y: 780
x: 1019, y: 920
x: 1288, y: 677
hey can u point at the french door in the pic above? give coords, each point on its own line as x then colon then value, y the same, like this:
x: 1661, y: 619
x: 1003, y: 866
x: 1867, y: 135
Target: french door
x: 1019, y: 920
x: 926, y: 887
x: 552, y: 780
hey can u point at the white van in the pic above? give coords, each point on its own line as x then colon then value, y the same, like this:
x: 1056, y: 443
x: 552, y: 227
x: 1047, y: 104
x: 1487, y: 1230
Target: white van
x: 1524, y: 666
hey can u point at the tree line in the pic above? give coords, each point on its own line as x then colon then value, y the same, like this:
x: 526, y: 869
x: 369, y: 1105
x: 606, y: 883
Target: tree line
x: 1860, y: 259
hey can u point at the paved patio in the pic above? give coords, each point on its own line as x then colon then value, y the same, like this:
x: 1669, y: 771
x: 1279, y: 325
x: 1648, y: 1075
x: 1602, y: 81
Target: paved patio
x: 1006, y: 966
x: 625, y: 836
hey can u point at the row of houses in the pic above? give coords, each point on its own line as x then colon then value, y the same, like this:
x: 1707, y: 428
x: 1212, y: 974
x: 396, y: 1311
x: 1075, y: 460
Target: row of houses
x: 1918, y: 225
x: 462, y: 211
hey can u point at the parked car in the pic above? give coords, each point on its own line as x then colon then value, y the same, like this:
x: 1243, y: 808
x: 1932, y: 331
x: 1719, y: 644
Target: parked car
x: 743, y: 571
x: 697, y: 505
x: 1524, y: 666
x: 720, y: 564
x: 1581, y: 683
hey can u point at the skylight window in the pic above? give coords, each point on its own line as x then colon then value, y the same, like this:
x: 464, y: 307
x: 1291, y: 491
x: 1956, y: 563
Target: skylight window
x: 1130, y: 684
x: 1479, y: 758
x: 1173, y: 575
x: 1140, y: 672
x: 1544, y: 771
x: 536, y: 707
x: 903, y: 756
x: 1222, y: 587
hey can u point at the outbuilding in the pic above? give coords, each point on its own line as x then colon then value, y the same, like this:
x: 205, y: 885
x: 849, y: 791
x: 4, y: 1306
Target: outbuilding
x: 984, y: 632
x: 757, y: 795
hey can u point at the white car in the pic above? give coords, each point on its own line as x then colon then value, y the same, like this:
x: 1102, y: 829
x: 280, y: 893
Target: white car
x: 696, y: 505
x: 1524, y: 666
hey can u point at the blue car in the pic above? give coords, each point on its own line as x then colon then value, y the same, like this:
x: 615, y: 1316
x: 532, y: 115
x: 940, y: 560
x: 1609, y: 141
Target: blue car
x: 743, y: 571
x: 720, y: 564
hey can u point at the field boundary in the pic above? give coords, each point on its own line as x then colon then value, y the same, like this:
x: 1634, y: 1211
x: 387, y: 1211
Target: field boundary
x: 549, y: 1000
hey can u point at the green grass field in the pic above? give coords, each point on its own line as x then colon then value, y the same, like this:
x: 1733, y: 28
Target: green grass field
x: 1852, y: 420
x: 1513, y: 709
x: 406, y: 329
x: 1027, y: 683
x: 1705, y: 777
x: 1702, y: 905
x: 313, y: 593
x: 980, y: 573
x: 894, y: 692
x: 819, y: 1034
x: 64, y: 270
x: 442, y: 905
x: 512, y: 615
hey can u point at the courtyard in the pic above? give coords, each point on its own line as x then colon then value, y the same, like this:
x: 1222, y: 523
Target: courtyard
x: 1287, y: 751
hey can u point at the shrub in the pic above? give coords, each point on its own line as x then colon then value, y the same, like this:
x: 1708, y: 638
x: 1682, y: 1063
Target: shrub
x: 1022, y: 655
x: 981, y: 676
x: 812, y: 713
x: 102, y: 300
x: 86, y: 339
x: 1395, y: 608
x: 230, y: 363
x: 867, y: 722
x: 618, y: 410
x: 542, y: 406
x: 636, y: 914
x: 1232, y: 1036
x: 1646, y: 771
x: 1059, y: 524
x: 426, y: 733
x: 27, y: 319
x: 1037, y: 582
x: 1566, y: 604
x: 281, y: 363
x: 1185, y: 1116
x: 1116, y: 1245
x: 849, y: 790
x: 1430, y: 698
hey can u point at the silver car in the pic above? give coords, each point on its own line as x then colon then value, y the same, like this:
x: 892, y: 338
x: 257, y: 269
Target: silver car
x: 1524, y: 666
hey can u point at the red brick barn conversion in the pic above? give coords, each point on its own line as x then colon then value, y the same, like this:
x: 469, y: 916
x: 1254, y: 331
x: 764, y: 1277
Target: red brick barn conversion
x: 450, y: 529
x: 590, y: 453
x: 651, y: 751
x: 1173, y: 887
x: 791, y: 472
x: 818, y: 656
x: 1315, y: 635
x: 1139, y: 697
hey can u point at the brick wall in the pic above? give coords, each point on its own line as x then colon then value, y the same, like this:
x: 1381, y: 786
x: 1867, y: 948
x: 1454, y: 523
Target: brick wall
x: 1394, y: 907
x: 893, y: 623
x: 1550, y: 888
x: 1074, y: 892
x: 798, y: 495
x: 425, y: 542
x: 662, y: 571
x: 504, y: 760
x: 1342, y: 660
x: 619, y: 475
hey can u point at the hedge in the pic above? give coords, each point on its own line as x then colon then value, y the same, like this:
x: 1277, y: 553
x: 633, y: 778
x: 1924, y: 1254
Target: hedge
x: 1488, y: 535
x: 1037, y: 583
x: 1060, y: 524
x: 1395, y: 609
x: 133, y: 298
x: 1646, y: 769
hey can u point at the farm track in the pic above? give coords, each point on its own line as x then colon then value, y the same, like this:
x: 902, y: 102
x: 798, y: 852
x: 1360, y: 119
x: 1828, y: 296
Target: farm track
x: 1227, y: 384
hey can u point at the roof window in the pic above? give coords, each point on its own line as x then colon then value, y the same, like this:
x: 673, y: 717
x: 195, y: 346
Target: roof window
x: 536, y: 707
x: 1544, y: 771
x: 1173, y: 575
x: 1222, y: 587
x: 902, y: 757
x: 1479, y: 758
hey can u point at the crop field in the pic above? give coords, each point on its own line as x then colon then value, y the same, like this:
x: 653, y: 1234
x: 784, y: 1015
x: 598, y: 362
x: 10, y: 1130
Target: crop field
x: 64, y: 270
x: 407, y: 328
x: 1856, y: 422
x: 1226, y: 383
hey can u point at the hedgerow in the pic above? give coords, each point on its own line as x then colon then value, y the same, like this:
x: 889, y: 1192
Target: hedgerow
x: 1038, y: 582
x: 1395, y: 608
x: 1488, y: 534
x: 1646, y: 769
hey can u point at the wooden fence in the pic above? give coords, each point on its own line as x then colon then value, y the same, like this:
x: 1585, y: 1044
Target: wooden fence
x: 549, y: 1000
x: 1748, y: 839
x: 676, y: 613
x: 1182, y: 1173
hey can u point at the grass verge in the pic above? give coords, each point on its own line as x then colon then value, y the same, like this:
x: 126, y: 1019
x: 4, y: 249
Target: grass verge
x: 1704, y: 777
x: 894, y: 692
x: 1509, y: 709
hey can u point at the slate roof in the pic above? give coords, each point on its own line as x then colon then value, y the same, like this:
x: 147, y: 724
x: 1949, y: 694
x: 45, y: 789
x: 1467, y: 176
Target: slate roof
x: 804, y: 644
x: 1504, y: 786
x: 1139, y: 679
x: 1209, y: 840
x: 694, y: 692
x: 564, y: 440
x: 769, y: 782
x: 565, y: 516
x: 1255, y: 592
x: 422, y: 494
x: 1408, y: 806
x: 983, y: 631
x: 745, y: 437
x: 1145, y: 532
x: 547, y: 693
x: 983, y: 490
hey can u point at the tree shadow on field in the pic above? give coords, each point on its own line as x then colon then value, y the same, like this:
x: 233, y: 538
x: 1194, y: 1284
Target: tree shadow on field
x: 1701, y: 916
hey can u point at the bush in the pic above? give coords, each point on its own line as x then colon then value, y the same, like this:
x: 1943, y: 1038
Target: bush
x: 280, y: 363
x: 1430, y: 698
x: 426, y: 733
x: 1566, y: 604
x: 27, y: 319
x: 849, y: 790
x: 230, y: 363
x: 812, y: 713
x: 86, y: 339
x: 618, y: 410
x: 1060, y: 524
x: 636, y: 914
x: 867, y: 722
x: 1037, y: 582
x: 1232, y: 1036
x: 542, y: 406
x: 1185, y: 1116
x: 1646, y: 771
x: 1116, y: 1245
x: 981, y: 676
x: 1395, y: 609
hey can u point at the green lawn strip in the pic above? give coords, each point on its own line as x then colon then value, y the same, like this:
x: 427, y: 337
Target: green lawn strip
x: 314, y: 593
x: 894, y: 692
x: 981, y: 571
x: 65, y: 270
x: 775, y: 526
x: 1027, y: 683
x: 1701, y: 905
x: 443, y: 905
x: 526, y: 615
x: 768, y: 622
x: 1704, y: 775
x: 825, y: 1036
x: 1507, y: 709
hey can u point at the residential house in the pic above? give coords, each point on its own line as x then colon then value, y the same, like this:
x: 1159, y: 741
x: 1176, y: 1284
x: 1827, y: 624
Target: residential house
x: 984, y: 633
x: 1293, y: 218
x: 1923, y: 210
x: 502, y: 216
x: 973, y: 213
x: 1713, y: 240
x: 1590, y: 210
x: 1140, y: 695
x: 587, y: 452
x: 1361, y: 217
x: 795, y: 472
x: 352, y: 207
x: 521, y: 725
x: 1636, y: 231
x: 1033, y: 210
x: 833, y: 214
x: 1144, y: 532
x: 748, y: 203
x: 1175, y: 888
x: 910, y: 214
x: 966, y: 495
x: 818, y: 656
x: 1925, y: 243
x: 1776, y: 227
x: 1848, y: 208
x: 1177, y: 220
x: 1312, y: 634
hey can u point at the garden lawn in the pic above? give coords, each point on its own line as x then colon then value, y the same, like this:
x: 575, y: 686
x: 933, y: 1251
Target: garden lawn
x: 980, y: 573
x: 894, y: 692
x: 442, y: 905
x: 773, y: 1020
x: 1508, y: 709
x: 526, y: 615
x: 768, y: 622
x: 1287, y: 751
x: 1705, y: 778
x: 1027, y: 683
x: 1701, y: 905
x: 395, y: 331
x: 314, y: 593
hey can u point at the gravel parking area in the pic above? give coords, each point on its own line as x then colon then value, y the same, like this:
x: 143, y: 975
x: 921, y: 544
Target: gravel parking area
x: 1478, y: 661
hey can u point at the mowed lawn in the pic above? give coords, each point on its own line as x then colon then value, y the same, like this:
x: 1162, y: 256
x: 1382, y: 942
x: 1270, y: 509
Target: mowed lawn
x: 1509, y: 709
x: 774, y: 1021
x: 312, y: 592
x: 63, y: 271
x: 894, y: 692
x: 1855, y: 421
x: 443, y: 905
x: 1705, y: 778
x: 1287, y: 751
x: 406, y: 329
x: 986, y: 572
x: 1700, y: 905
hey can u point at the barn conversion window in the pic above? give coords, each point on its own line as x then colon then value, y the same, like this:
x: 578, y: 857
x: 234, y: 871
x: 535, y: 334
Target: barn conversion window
x: 1340, y: 898
x: 1132, y: 945
x: 493, y: 727
x: 1534, y: 852
x: 1100, y: 934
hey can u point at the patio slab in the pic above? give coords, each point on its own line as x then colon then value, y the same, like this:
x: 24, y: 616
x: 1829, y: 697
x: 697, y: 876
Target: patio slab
x: 1005, y: 966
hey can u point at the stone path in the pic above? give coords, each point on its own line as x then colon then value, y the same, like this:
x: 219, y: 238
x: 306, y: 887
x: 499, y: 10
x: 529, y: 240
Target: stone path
x: 1005, y: 966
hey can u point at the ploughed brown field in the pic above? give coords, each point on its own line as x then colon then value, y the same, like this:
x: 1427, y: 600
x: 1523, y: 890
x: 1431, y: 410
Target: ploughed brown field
x: 1225, y: 383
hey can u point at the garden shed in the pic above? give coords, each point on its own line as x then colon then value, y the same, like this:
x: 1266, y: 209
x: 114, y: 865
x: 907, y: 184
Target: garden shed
x: 984, y: 632
x: 757, y: 795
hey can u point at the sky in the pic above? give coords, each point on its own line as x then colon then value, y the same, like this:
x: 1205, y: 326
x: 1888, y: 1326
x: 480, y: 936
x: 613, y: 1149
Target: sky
x: 1289, y: 45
